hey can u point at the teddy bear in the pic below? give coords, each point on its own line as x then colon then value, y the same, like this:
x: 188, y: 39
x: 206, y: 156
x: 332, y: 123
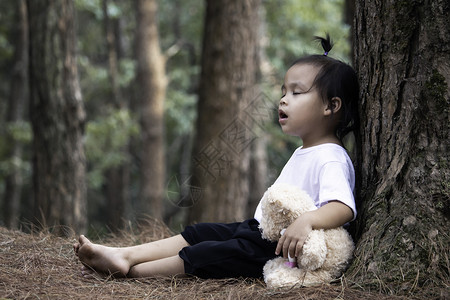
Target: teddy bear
x: 325, y: 253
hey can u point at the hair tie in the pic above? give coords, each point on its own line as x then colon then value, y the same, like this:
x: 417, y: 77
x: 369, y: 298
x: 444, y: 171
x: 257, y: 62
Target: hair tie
x: 325, y: 53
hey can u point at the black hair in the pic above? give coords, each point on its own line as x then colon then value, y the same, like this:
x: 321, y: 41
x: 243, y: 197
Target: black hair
x: 336, y: 79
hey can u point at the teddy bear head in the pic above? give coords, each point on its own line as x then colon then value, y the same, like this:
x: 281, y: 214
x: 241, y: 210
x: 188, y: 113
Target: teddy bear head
x: 281, y: 205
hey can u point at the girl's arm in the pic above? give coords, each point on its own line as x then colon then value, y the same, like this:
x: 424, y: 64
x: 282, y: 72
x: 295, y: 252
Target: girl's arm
x: 331, y: 215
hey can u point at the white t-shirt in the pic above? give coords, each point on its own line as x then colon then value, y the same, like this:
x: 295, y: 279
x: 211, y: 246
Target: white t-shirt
x: 325, y: 172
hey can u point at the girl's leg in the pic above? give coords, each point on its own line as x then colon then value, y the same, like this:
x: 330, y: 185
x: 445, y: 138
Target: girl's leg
x: 118, y: 261
x: 168, y: 266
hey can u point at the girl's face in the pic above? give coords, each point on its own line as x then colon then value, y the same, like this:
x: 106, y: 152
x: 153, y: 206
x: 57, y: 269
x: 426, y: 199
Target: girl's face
x: 301, y: 109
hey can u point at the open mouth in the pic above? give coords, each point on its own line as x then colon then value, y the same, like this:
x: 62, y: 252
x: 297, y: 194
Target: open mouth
x: 282, y: 114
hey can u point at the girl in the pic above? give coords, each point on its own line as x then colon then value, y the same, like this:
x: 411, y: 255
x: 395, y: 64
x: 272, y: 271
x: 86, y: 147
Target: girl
x: 318, y: 104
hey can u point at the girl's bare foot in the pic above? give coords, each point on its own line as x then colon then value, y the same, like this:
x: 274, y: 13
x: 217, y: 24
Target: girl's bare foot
x: 102, y: 259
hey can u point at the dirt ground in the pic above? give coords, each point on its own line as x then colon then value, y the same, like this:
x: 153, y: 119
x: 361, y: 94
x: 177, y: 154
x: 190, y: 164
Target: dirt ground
x: 43, y: 266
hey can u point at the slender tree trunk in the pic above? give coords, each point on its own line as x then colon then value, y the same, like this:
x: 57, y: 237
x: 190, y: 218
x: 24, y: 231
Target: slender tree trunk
x: 220, y: 181
x: 113, y: 61
x: 258, y: 174
x: 404, y: 71
x: 57, y: 116
x: 152, y: 83
x: 16, y: 103
x: 117, y: 178
x: 265, y: 108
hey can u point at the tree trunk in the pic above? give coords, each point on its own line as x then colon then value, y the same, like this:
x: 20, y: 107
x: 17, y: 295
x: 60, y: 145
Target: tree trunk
x: 258, y: 174
x: 57, y: 116
x: 220, y: 181
x: 16, y: 103
x: 117, y: 178
x: 151, y: 93
x: 404, y: 70
x: 265, y: 107
x: 113, y: 62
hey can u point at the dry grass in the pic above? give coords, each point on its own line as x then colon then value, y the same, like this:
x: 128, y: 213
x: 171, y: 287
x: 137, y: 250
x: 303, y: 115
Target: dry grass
x: 42, y: 266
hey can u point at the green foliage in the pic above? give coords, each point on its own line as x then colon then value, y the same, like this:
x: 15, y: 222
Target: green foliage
x: 180, y: 31
x: 15, y: 163
x: 180, y: 112
x: 20, y: 131
x: 93, y: 6
x: 17, y: 132
x: 181, y: 24
x: 292, y: 25
x: 127, y: 67
x: 6, y: 22
x: 6, y: 48
x: 105, y: 141
x: 181, y: 20
x: 92, y: 54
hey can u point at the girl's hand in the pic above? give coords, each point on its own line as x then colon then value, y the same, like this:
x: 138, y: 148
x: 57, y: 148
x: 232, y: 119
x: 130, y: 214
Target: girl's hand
x: 331, y: 215
x: 295, y: 236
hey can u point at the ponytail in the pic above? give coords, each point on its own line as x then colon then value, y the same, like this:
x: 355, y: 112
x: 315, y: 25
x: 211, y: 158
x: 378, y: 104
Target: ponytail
x: 326, y: 43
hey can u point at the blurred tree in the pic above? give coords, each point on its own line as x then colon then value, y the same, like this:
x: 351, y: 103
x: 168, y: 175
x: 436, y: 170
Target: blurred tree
x: 109, y: 128
x: 151, y: 81
x: 404, y: 150
x: 57, y: 116
x: 116, y: 184
x: 111, y: 35
x: 14, y: 115
x: 181, y: 23
x: 107, y: 70
x: 220, y: 181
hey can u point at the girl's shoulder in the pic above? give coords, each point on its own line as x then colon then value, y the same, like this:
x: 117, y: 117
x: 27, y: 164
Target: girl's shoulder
x: 323, y: 154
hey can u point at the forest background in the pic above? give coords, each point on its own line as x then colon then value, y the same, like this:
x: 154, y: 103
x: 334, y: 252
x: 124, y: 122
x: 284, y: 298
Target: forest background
x: 112, y: 127
x: 115, y: 112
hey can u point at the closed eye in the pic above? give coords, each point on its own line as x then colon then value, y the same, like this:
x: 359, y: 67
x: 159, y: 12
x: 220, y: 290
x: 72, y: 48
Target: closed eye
x: 293, y: 93
x: 283, y: 91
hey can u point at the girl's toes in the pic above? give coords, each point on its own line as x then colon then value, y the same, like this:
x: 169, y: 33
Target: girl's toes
x: 87, y: 272
x: 76, y: 247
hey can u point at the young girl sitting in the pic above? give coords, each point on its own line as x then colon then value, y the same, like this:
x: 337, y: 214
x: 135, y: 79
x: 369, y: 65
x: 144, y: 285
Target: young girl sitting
x: 318, y: 105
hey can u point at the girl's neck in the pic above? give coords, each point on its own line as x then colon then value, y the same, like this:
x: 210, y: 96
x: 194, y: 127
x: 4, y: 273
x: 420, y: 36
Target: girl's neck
x: 325, y: 140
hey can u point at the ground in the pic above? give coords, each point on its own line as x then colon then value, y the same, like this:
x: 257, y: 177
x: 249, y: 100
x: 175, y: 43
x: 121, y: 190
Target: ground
x: 43, y: 266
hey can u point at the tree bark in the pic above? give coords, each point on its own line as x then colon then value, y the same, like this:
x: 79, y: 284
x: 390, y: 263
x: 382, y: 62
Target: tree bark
x: 220, y: 178
x: 16, y: 103
x: 57, y: 116
x: 151, y: 93
x: 404, y: 70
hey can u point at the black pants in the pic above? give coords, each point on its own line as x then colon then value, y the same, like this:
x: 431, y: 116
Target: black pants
x: 219, y: 250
